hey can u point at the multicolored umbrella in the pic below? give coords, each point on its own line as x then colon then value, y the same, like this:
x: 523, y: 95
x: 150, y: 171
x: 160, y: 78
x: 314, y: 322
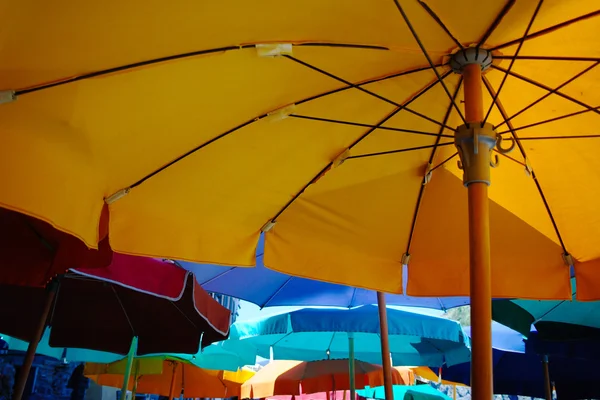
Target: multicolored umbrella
x: 108, y: 309
x: 284, y: 377
x: 330, y: 126
x: 169, y: 376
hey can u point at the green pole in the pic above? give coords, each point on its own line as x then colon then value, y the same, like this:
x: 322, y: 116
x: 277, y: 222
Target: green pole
x: 351, y: 366
x: 130, y: 356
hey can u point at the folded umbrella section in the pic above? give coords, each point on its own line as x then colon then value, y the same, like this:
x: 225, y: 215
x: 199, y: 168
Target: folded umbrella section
x: 284, y: 377
x: 105, y: 308
x: 169, y: 376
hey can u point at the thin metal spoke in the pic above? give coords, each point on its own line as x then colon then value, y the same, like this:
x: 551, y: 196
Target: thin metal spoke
x: 384, y: 153
x: 490, y: 89
x: 496, y: 22
x: 414, y: 33
x: 589, y: 68
x: 545, y: 58
x: 443, y: 162
x: 548, y: 30
x: 512, y: 61
x: 382, y: 98
x: 440, y: 23
x: 509, y: 157
x: 344, y: 45
x: 431, y: 158
x: 335, y: 121
x: 126, y: 67
x: 542, y: 86
x: 547, y: 121
x: 356, y: 142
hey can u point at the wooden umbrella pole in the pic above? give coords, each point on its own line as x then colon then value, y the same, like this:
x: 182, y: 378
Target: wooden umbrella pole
x: 172, y: 388
x: 351, y: 366
x: 386, y: 362
x: 547, y: 382
x: 475, y: 142
x: 19, y: 387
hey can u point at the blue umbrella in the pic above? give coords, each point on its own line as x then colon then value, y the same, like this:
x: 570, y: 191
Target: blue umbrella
x: 312, y: 334
x: 265, y: 287
x: 214, y: 356
x: 517, y: 372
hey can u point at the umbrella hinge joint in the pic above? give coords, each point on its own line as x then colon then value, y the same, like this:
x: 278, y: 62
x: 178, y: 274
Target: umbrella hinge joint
x: 117, y: 195
x: 268, y: 226
x: 274, y: 49
x: 428, y: 174
x: 281, y: 113
x: 528, y: 167
x: 7, y: 96
x: 405, y: 258
x: 475, y: 144
x: 568, y: 259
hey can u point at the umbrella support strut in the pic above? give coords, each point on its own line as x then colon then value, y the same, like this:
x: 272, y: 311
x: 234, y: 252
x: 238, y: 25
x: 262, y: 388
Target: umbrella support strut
x: 32, y: 347
x: 130, y: 356
x: 475, y: 142
x: 351, y: 366
x: 386, y: 362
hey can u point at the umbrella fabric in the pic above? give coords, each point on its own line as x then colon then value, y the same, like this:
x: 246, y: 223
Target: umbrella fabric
x: 33, y: 252
x: 519, y: 373
x: 213, y: 356
x: 185, y: 119
x: 418, y: 392
x: 155, y: 375
x: 554, y: 320
x: 104, y: 308
x: 572, y: 348
x: 284, y: 377
x: 319, y: 333
x: 272, y: 288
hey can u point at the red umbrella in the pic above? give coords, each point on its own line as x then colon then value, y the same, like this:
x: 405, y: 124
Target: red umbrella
x: 32, y: 251
x: 105, y: 308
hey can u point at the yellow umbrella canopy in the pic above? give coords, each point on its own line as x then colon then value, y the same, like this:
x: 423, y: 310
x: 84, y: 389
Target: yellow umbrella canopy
x: 321, y: 123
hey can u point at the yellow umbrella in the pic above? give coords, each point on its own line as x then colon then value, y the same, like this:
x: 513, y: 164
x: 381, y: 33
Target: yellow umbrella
x: 328, y: 125
x: 169, y: 376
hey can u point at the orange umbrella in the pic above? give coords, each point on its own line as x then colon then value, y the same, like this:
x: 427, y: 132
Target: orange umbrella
x: 282, y: 377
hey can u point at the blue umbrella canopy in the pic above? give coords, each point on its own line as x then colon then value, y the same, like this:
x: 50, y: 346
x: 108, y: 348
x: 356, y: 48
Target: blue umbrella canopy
x: 519, y: 371
x: 265, y: 287
x: 213, y: 356
x: 311, y: 334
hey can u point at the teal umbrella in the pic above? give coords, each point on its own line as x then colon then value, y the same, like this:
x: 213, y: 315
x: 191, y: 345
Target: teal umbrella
x: 417, y: 392
x: 554, y: 320
x: 311, y: 334
x: 214, y: 356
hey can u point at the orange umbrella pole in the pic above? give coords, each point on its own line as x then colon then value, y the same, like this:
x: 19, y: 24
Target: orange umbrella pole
x: 19, y: 387
x: 386, y: 362
x: 172, y: 388
x: 547, y: 382
x: 475, y: 142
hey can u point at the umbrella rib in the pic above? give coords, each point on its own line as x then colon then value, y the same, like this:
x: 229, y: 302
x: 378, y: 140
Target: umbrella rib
x: 521, y: 163
x: 123, y: 308
x: 507, y: 7
x: 440, y: 23
x: 182, y: 313
x: 258, y: 118
x: 383, y: 153
x: 345, y: 45
x: 547, y: 30
x: 357, y: 141
x: 500, y: 107
x: 573, y: 114
x: 334, y: 121
x: 589, y: 68
x: 542, y: 86
x: 431, y: 158
x: 382, y: 98
x: 512, y: 61
x: 272, y: 296
x: 424, y: 51
x: 544, y: 58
